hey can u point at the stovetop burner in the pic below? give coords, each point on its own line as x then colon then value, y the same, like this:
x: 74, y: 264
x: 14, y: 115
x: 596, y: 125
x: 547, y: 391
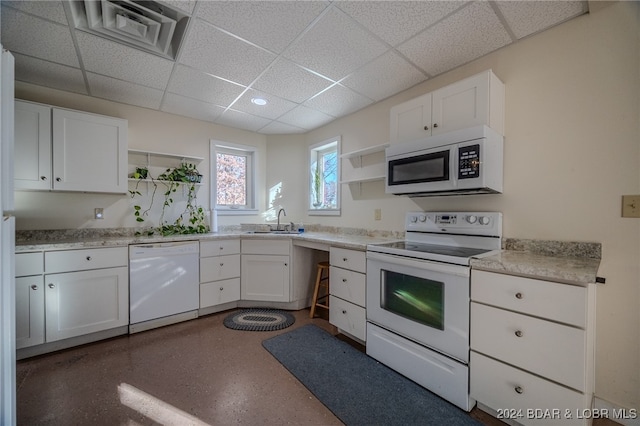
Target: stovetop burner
x: 435, y: 249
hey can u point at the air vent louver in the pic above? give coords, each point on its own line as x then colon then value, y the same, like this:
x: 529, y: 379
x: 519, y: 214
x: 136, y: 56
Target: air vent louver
x: 145, y: 25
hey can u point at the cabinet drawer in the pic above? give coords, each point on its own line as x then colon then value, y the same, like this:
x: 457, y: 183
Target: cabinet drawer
x: 269, y: 246
x: 219, y: 247
x: 513, y: 392
x: 347, y: 285
x: 219, y: 268
x: 348, y: 317
x: 559, y: 302
x: 551, y: 350
x: 29, y: 264
x: 348, y: 259
x: 81, y: 260
x: 216, y: 293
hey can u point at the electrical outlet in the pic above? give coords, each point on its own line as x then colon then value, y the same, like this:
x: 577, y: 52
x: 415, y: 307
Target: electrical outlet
x: 99, y: 213
x: 631, y: 206
x: 377, y: 214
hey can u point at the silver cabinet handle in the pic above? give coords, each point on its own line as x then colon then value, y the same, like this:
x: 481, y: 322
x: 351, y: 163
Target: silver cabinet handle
x: 51, y: 285
x: 344, y: 280
x: 286, y: 264
x: 518, y: 295
x: 88, y: 258
x: 344, y: 259
x: 344, y: 311
x: 519, y: 333
x: 426, y: 127
x: 518, y: 389
x: 34, y: 287
x: 435, y: 124
x: 43, y: 178
x: 58, y: 179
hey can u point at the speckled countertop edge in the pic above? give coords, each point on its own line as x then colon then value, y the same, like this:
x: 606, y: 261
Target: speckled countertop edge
x: 574, y: 263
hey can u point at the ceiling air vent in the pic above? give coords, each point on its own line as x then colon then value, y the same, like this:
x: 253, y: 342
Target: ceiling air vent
x: 145, y: 25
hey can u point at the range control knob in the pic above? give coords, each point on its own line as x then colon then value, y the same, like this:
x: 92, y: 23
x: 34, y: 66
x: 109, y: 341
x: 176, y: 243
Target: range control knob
x: 413, y: 219
x: 484, y: 220
x: 472, y: 219
x: 423, y: 218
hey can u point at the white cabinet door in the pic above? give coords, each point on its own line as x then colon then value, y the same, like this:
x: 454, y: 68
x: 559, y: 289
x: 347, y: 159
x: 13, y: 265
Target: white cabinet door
x: 29, y: 311
x: 85, y: 302
x: 265, y: 278
x: 32, y: 154
x: 89, y: 152
x: 460, y: 105
x: 411, y: 120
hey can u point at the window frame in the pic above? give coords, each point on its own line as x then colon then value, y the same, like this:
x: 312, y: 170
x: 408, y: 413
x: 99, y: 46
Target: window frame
x: 314, y: 150
x: 251, y: 152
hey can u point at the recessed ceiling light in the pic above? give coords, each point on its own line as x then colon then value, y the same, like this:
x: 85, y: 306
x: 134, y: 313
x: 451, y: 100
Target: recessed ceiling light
x: 259, y: 101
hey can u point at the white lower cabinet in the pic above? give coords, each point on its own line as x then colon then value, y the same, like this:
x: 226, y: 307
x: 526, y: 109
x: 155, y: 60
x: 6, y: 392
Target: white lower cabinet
x: 79, y: 303
x: 532, y: 348
x: 219, y: 272
x: 347, y: 286
x: 70, y: 293
x: 265, y: 271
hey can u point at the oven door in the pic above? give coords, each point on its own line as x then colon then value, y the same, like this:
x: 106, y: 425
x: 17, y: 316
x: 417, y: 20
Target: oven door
x: 427, y: 302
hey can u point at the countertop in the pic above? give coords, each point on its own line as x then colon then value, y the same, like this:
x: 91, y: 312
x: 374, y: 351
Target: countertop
x: 564, y: 262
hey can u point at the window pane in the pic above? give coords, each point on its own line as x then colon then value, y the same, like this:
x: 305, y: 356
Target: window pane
x: 231, y: 179
x: 330, y: 178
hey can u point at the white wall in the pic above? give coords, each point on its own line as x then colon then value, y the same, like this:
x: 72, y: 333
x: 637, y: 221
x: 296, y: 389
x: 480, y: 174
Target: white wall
x: 572, y: 148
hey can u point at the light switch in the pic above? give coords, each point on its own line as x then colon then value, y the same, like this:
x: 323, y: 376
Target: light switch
x: 377, y: 214
x: 631, y: 206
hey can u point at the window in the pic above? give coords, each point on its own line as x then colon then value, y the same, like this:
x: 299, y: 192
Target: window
x: 324, y: 178
x: 232, y: 171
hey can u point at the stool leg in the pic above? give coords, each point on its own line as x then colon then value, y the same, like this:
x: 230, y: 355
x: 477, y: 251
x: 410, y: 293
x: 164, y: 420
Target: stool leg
x: 315, y: 294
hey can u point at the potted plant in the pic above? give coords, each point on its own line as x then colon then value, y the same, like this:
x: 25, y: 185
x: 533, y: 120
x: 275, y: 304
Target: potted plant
x: 140, y: 173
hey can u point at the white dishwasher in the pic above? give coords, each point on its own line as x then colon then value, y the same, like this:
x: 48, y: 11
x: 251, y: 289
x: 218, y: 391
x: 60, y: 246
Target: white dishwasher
x: 164, y: 284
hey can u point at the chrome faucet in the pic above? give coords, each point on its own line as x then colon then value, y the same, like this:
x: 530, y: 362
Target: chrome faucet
x: 278, y: 225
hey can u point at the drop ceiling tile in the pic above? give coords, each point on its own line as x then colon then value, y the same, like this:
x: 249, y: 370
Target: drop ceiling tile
x: 291, y: 81
x: 397, y: 21
x: 529, y: 17
x: 196, y: 84
x: 274, y: 108
x: 49, y: 74
x: 123, y: 62
x: 242, y: 120
x: 209, y: 49
x: 51, y: 10
x: 192, y: 108
x: 338, y: 101
x: 470, y: 33
x: 277, y: 128
x: 385, y: 76
x: 183, y: 5
x: 261, y: 22
x: 123, y: 91
x: 305, y: 117
x: 26, y: 34
x: 335, y: 46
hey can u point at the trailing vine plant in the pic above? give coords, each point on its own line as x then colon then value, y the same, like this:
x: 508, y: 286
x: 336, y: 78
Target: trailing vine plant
x: 192, y: 220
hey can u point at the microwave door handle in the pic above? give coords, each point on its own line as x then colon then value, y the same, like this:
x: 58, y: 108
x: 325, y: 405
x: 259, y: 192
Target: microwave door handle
x: 453, y: 167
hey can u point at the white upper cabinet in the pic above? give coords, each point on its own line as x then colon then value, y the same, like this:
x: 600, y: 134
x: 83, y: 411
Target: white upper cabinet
x: 473, y: 101
x: 32, y: 154
x: 66, y: 150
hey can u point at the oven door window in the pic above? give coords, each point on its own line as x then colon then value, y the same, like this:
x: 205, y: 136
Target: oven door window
x: 432, y: 167
x: 418, y: 299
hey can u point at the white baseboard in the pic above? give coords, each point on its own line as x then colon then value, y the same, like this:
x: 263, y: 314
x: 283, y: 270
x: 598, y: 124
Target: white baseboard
x: 623, y: 415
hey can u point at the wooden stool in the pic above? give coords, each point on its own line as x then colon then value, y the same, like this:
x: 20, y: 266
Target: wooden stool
x: 324, y: 283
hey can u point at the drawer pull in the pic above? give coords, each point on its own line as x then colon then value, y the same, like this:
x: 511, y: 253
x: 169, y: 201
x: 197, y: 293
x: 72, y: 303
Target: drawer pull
x: 344, y: 259
x: 51, y: 285
x: 34, y: 287
x: 88, y: 258
x: 344, y: 280
x: 221, y: 288
x: 221, y: 264
x: 518, y: 333
x: 43, y: 178
x: 518, y: 295
x: 519, y: 390
x: 58, y: 179
x: 344, y: 311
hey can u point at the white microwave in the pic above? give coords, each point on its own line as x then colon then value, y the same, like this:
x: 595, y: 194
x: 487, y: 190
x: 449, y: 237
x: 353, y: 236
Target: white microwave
x: 462, y: 162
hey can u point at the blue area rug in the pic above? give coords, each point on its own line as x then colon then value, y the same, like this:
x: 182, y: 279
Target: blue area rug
x: 355, y: 387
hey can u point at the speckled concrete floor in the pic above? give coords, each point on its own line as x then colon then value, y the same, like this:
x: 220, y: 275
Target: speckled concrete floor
x: 197, y: 372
